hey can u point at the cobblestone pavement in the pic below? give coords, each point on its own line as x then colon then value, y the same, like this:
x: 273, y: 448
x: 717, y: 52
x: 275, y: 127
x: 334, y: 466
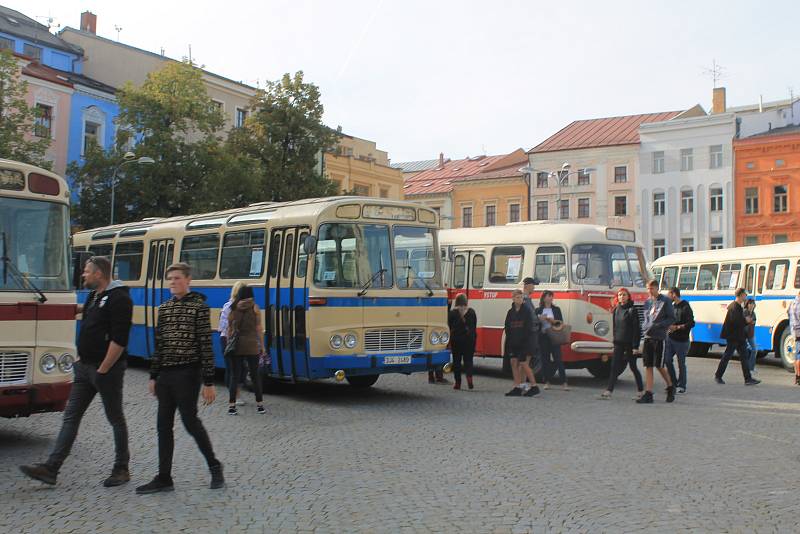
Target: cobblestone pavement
x: 407, y: 456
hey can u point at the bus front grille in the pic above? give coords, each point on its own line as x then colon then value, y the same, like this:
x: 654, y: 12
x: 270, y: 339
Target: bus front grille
x: 394, y: 339
x: 13, y: 368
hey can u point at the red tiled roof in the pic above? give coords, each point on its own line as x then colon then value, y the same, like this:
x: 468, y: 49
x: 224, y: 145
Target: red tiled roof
x: 441, y: 180
x: 37, y: 70
x: 609, y: 131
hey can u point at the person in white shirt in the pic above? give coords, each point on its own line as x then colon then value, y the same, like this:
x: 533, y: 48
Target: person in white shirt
x: 222, y: 328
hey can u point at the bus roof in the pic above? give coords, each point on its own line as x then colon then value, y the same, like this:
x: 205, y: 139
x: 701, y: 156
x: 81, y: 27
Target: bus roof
x: 532, y: 232
x: 779, y: 250
x: 62, y: 195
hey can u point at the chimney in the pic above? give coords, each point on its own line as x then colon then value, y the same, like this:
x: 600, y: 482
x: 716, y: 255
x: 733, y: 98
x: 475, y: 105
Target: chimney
x: 718, y: 100
x: 441, y: 160
x: 88, y: 22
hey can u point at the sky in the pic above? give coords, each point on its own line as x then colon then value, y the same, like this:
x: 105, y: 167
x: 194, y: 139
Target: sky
x: 467, y: 77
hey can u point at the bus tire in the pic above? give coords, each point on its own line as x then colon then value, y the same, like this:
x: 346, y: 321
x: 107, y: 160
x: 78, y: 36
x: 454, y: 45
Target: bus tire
x: 599, y: 369
x: 362, y: 381
x: 787, y: 349
x: 697, y: 348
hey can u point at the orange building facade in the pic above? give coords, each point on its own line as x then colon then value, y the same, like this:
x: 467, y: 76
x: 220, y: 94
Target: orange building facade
x: 767, y: 187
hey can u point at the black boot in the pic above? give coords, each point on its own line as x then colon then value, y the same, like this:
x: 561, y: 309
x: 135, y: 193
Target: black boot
x: 647, y: 398
x: 217, y: 478
x: 671, y: 394
x: 40, y: 472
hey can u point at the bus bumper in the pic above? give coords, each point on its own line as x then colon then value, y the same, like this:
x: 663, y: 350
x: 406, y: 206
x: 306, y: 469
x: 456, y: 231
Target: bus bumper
x: 26, y: 400
x: 592, y: 347
x: 376, y: 364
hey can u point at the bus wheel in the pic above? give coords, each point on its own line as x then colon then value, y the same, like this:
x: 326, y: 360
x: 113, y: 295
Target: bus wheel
x: 362, y: 381
x: 788, y: 349
x: 696, y: 348
x: 599, y: 369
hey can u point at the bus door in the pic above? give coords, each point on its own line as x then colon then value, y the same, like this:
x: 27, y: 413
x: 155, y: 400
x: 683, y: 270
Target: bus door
x: 158, y: 259
x: 469, y: 273
x: 755, y: 275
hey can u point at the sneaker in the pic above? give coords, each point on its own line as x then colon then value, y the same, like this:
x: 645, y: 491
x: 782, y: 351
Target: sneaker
x: 240, y: 402
x: 565, y: 386
x: 647, y: 398
x: 718, y: 380
x: 533, y: 390
x: 797, y: 380
x: 470, y: 385
x: 154, y: 486
x: 232, y: 410
x: 546, y: 385
x: 260, y: 410
x: 457, y: 385
x: 638, y: 395
x: 752, y: 382
x: 217, y: 478
x: 606, y: 395
x: 119, y: 476
x: 681, y: 390
x: 442, y: 381
x: 671, y: 394
x: 515, y: 392
x: 40, y: 472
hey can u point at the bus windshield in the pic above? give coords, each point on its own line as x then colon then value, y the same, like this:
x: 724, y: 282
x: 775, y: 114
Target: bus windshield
x: 34, y: 234
x: 609, y: 265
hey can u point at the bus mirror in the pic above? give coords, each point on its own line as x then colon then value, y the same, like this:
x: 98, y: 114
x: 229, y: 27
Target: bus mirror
x: 580, y: 271
x: 79, y: 259
x: 310, y: 244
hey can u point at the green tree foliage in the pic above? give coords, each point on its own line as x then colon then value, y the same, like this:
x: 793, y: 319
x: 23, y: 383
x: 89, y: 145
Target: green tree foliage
x: 285, y: 137
x: 17, y: 119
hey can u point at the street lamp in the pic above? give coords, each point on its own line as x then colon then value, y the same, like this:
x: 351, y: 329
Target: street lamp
x: 561, y: 176
x: 129, y: 157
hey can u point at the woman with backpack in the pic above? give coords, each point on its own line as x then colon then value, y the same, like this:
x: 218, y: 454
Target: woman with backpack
x: 627, y: 335
x: 245, y: 343
x: 463, y: 324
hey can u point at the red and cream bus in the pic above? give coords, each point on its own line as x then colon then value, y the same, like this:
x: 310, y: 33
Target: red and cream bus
x: 582, y: 264
x: 37, y: 303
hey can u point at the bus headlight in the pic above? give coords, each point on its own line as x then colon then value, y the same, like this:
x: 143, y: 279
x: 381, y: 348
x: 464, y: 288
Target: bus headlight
x: 434, y: 338
x: 350, y: 340
x: 336, y: 341
x: 48, y: 363
x: 65, y: 362
x: 444, y: 338
x: 601, y: 328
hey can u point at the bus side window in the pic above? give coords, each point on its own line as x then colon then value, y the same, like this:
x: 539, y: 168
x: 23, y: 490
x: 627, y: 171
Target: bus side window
x: 302, y: 257
x: 708, y: 277
x: 750, y: 279
x: 687, y: 278
x: 797, y: 275
x: 128, y: 260
x: 762, y: 270
x: 669, y: 278
x: 101, y: 250
x: 777, y: 274
x: 460, y: 272
x: 729, y: 276
x: 478, y: 268
x: 550, y: 266
x: 657, y: 274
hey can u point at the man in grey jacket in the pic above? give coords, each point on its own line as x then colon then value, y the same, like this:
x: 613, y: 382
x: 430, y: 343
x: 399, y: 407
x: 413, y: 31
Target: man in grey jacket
x: 658, y: 316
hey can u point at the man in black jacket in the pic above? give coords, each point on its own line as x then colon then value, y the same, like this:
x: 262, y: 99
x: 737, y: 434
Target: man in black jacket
x: 100, y: 368
x: 677, y: 343
x: 734, y: 332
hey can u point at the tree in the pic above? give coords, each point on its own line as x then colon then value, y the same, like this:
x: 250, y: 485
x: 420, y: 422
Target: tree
x: 17, y: 119
x: 285, y: 136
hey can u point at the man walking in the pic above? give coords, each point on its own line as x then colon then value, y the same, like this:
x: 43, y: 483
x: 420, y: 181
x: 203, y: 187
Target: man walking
x: 527, y: 368
x: 183, y: 361
x: 734, y: 332
x: 99, y: 369
x: 677, y: 342
x: 658, y: 316
x: 794, y: 324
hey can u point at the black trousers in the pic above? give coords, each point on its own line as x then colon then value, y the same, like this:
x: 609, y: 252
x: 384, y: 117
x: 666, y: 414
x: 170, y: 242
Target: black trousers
x: 177, y: 389
x: 623, y: 354
x: 741, y: 348
x: 465, y: 355
x: 237, y: 364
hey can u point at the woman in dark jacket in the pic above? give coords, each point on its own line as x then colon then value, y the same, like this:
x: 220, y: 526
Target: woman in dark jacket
x: 463, y: 324
x: 245, y: 323
x: 627, y: 335
x: 550, y: 315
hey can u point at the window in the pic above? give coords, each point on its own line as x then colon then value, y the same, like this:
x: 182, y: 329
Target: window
x: 335, y: 263
x: 241, y: 117
x: 551, y: 265
x: 687, y: 159
x: 288, y: 255
x: 31, y: 51
x: 750, y: 165
x: 659, y: 248
x: 128, y: 260
x: 91, y: 135
x: 715, y: 194
x: 797, y: 276
x: 583, y: 208
x: 620, y: 175
x: 751, y: 200
x: 687, y: 244
x: 750, y: 240
x: 466, y: 217
x: 779, y: 163
x: 659, y: 203
x: 460, y: 271
x: 780, y: 238
x: 687, y: 201
x: 541, y: 179
x: 658, y: 162
x: 716, y: 243
x: 609, y: 265
x: 670, y: 277
x: 541, y: 210
x: 201, y: 252
x: 620, y: 206
x: 688, y: 277
x: 708, y: 277
x: 563, y: 210
x: 101, y: 250
x: 416, y: 257
x: 506, y: 265
x: 384, y: 192
x: 43, y: 124
x: 478, y: 268
x: 302, y: 257
x: 779, y: 203
x: 216, y: 105
x: 729, y: 276
x: 715, y: 157
x: 777, y: 274
x: 361, y: 190
x: 6, y: 44
x: 491, y: 215
x: 513, y: 213
x: 657, y: 273
x: 583, y: 177
x: 242, y: 255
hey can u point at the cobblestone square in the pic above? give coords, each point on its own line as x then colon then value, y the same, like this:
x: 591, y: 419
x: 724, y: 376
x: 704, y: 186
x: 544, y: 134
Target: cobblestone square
x: 407, y: 456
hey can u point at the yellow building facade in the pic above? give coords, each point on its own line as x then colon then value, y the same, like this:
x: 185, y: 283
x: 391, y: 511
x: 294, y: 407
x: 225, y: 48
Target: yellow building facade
x: 357, y: 166
x: 490, y: 200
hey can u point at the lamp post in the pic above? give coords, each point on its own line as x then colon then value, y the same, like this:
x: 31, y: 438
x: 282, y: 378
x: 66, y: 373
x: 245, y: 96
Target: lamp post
x: 129, y: 157
x: 560, y: 176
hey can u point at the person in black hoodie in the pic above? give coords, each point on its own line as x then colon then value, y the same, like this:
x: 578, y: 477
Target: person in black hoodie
x: 463, y: 333
x: 627, y: 336
x: 519, y: 345
x: 734, y: 331
x: 100, y: 368
x: 677, y: 343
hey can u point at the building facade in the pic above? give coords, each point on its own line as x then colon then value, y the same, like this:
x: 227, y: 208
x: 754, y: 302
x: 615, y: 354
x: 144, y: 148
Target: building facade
x: 357, y: 166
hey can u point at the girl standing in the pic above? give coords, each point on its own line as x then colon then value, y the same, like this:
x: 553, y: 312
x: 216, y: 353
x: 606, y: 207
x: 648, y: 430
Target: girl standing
x: 245, y: 323
x: 463, y: 324
x: 549, y: 315
x: 627, y: 335
x: 750, y: 330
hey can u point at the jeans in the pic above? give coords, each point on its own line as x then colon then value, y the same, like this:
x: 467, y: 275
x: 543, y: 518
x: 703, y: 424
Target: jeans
x: 237, y: 364
x: 466, y: 355
x: 551, y: 359
x: 679, y: 349
x: 741, y: 348
x: 87, y: 383
x: 751, y: 346
x: 623, y: 353
x: 177, y: 389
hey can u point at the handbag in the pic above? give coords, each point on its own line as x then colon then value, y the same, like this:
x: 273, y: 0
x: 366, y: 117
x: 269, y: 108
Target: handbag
x: 231, y: 345
x: 559, y: 333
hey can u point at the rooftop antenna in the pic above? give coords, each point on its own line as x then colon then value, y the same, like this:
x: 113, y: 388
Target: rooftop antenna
x: 190, y: 54
x: 716, y: 72
x: 119, y: 29
x: 49, y: 19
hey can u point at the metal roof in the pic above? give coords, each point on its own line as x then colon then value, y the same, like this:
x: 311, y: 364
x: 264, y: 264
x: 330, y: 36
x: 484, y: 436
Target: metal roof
x: 416, y: 166
x: 15, y: 23
x: 783, y: 130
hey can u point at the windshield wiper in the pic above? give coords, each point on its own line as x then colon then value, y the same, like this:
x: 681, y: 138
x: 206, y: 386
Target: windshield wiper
x: 23, y: 279
x: 410, y: 269
x: 371, y: 281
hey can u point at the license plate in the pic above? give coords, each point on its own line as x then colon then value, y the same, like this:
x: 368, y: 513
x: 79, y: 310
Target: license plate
x: 396, y: 360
